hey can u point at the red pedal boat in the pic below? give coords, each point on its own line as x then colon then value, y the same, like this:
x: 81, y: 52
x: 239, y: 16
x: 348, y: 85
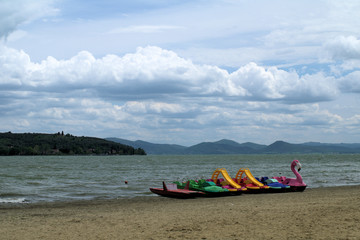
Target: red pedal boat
x: 171, y: 190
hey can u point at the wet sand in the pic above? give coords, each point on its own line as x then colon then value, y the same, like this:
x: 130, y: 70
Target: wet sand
x: 321, y: 213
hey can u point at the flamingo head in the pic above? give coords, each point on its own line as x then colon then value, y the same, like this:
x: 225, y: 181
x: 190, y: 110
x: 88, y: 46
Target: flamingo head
x: 296, y: 164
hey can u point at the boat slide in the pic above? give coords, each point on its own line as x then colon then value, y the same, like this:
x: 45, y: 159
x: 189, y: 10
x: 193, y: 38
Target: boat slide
x: 226, y: 177
x: 249, y: 176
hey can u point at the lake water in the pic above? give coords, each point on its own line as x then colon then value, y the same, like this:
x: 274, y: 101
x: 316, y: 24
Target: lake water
x: 31, y: 179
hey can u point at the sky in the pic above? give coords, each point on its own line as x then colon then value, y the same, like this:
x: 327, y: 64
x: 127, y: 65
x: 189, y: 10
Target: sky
x: 181, y: 71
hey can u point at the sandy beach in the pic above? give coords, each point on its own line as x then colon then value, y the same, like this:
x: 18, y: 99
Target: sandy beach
x: 320, y: 213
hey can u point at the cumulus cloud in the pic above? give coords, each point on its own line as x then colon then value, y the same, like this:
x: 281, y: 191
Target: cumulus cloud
x: 344, y: 48
x: 264, y: 84
x: 13, y: 67
x: 157, y: 90
x: 350, y: 82
x: 344, y: 54
x: 149, y: 71
x: 152, y: 72
x: 16, y: 12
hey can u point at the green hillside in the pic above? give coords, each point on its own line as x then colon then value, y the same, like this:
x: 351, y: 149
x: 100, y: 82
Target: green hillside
x: 60, y: 144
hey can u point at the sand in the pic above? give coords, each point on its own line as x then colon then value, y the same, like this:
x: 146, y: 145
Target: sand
x: 321, y: 213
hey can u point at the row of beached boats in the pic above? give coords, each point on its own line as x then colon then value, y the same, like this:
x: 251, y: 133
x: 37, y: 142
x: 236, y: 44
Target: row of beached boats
x: 221, y: 184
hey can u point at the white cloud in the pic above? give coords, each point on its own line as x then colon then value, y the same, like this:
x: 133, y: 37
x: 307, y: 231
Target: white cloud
x: 354, y: 121
x: 13, y: 65
x: 350, y: 82
x: 153, y: 107
x: 260, y: 84
x: 257, y: 81
x: 155, y: 90
x: 154, y: 71
x: 144, y: 29
x: 16, y: 12
x: 344, y: 55
x: 16, y: 35
x: 344, y: 48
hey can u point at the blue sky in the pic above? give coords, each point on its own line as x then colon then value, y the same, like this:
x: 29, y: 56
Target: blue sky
x: 182, y: 72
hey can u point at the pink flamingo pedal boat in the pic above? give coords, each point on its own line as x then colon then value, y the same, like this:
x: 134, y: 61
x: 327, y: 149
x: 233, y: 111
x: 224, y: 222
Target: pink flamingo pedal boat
x: 296, y: 184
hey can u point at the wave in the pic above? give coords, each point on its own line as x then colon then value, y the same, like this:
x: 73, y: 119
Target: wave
x: 13, y: 200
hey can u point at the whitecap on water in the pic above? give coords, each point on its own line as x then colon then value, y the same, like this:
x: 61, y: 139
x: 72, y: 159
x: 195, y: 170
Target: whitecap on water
x: 13, y: 200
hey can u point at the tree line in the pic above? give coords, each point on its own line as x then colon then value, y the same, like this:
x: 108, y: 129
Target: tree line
x: 61, y: 144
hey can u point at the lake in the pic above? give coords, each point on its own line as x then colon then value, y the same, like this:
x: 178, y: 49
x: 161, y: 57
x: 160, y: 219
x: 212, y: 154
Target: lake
x: 31, y: 179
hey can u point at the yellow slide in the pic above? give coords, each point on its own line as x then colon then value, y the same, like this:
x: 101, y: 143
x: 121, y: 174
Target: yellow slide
x: 226, y: 177
x: 253, y: 183
x: 252, y: 178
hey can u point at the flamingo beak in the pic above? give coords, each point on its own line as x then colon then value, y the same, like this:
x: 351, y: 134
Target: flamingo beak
x: 298, y: 166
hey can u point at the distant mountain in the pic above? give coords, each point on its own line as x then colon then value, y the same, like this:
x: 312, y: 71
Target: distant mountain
x: 280, y: 147
x: 284, y: 147
x: 343, y: 145
x: 247, y: 144
x: 225, y: 146
x: 153, y: 148
x: 254, y: 146
x: 220, y: 147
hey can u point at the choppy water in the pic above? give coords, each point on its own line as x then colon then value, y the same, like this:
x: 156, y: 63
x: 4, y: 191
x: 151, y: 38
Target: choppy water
x: 66, y: 178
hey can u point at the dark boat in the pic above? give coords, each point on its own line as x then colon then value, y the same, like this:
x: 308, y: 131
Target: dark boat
x: 171, y: 190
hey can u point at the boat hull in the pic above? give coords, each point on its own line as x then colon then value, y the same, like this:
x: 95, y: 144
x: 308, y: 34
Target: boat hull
x: 172, y: 191
x: 297, y: 188
x: 180, y: 193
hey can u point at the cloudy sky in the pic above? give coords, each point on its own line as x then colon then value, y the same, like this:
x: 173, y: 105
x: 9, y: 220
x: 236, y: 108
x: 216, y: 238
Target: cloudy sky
x: 182, y: 71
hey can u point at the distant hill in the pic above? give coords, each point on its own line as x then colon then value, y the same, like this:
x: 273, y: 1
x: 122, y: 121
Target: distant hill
x: 60, y: 144
x: 342, y: 145
x: 284, y: 147
x: 225, y: 146
x: 153, y: 148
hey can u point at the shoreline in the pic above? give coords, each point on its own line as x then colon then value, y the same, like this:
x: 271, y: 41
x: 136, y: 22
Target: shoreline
x: 316, y: 213
x: 152, y: 197
x: 149, y: 197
